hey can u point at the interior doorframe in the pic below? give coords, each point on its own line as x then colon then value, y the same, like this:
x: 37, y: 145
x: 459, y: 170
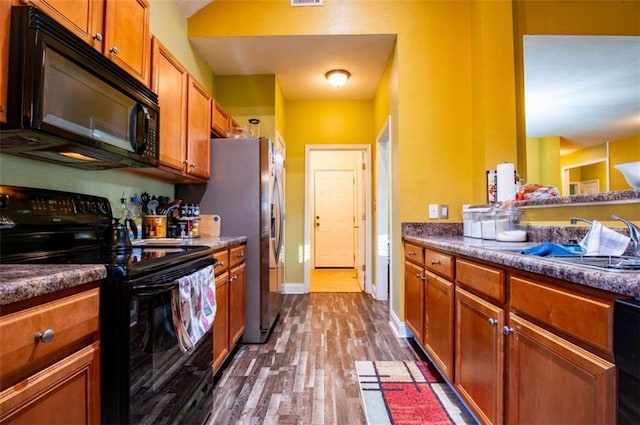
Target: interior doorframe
x: 383, y: 212
x: 308, y: 219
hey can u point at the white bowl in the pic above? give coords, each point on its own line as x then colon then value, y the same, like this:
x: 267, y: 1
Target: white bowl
x: 631, y: 172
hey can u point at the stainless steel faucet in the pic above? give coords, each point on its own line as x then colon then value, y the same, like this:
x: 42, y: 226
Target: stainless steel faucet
x: 634, y: 233
x: 575, y: 220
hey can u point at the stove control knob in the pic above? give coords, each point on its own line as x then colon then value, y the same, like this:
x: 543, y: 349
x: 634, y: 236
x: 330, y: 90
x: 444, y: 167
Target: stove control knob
x: 45, y: 337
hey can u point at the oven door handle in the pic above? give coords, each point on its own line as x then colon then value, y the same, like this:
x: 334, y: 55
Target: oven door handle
x: 142, y: 291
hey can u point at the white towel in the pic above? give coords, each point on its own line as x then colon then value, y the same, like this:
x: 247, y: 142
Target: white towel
x: 601, y: 240
x: 193, y: 305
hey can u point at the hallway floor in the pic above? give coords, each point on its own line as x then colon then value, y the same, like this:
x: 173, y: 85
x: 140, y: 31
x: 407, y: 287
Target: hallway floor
x: 305, y: 373
x: 333, y: 280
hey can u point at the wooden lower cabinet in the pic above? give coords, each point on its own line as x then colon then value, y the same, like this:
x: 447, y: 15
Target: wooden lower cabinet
x: 67, y: 392
x: 220, y: 323
x: 439, y: 320
x: 50, y: 362
x: 237, y: 303
x: 230, y: 320
x: 479, y: 356
x: 552, y: 381
x: 414, y: 299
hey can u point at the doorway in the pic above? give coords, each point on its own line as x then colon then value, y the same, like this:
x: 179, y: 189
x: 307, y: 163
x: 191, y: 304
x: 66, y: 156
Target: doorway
x: 338, y: 211
x: 383, y: 213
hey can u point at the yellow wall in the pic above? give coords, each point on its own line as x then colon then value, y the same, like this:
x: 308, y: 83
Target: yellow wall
x: 621, y: 151
x: 170, y: 27
x: 543, y: 161
x: 315, y: 123
x: 453, y: 111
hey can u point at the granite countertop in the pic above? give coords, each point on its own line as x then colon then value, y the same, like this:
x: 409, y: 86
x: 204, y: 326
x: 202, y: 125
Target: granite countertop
x: 19, y: 282
x: 625, y: 283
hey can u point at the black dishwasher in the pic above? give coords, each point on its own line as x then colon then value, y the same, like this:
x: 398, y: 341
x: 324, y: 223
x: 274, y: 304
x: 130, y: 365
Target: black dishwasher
x: 626, y: 349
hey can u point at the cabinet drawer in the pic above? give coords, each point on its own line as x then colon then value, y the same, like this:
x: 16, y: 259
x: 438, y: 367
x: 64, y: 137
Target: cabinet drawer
x: 72, y: 319
x: 414, y: 253
x: 223, y: 261
x: 584, y: 317
x: 440, y: 263
x: 236, y: 255
x: 483, y: 279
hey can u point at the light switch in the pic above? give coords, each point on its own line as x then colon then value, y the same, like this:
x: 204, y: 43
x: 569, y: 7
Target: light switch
x: 444, y: 211
x: 433, y: 211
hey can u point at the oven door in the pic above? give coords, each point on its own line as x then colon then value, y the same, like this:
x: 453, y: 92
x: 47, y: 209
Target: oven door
x: 157, y: 382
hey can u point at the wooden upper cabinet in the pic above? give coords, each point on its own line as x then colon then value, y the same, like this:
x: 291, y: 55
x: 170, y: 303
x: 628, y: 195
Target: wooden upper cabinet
x: 198, y: 130
x: 5, y: 17
x: 169, y: 80
x: 119, y: 29
x: 219, y: 119
x: 85, y: 18
x: 127, y: 40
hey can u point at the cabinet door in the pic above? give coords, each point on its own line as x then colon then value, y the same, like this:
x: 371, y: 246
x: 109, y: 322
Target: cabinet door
x: 236, y: 303
x: 219, y: 119
x: 198, y: 130
x: 127, y: 41
x: 438, y: 327
x: 85, y: 18
x: 221, y: 321
x: 169, y: 81
x: 578, y: 387
x: 414, y: 300
x: 68, y: 392
x: 5, y: 18
x: 479, y: 366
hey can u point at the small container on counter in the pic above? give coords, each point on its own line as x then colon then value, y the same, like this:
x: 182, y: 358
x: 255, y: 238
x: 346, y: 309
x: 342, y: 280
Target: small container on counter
x: 488, y: 225
x: 473, y: 221
x: 509, y: 227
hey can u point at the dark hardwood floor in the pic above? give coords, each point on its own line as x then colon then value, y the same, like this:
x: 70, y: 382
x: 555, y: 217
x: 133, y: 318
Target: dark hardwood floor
x: 305, y: 373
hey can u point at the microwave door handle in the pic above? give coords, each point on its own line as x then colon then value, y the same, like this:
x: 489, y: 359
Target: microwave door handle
x: 139, y: 142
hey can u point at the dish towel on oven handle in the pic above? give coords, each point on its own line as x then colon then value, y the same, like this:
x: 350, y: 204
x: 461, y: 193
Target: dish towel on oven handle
x: 193, y: 306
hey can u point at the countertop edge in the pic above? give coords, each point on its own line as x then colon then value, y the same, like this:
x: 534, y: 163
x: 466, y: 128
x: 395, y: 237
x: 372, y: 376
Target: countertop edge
x: 623, y: 283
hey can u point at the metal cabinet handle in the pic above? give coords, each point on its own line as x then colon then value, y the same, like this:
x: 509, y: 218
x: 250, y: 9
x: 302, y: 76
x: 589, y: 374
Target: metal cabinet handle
x: 192, y: 165
x: 435, y: 262
x: 45, y: 337
x: 507, y: 330
x: 411, y: 253
x: 492, y: 321
x: 219, y: 264
x: 240, y: 254
x: 114, y: 50
x: 97, y: 36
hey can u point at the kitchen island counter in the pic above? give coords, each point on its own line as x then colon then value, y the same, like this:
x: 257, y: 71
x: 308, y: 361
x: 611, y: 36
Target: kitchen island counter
x: 624, y: 283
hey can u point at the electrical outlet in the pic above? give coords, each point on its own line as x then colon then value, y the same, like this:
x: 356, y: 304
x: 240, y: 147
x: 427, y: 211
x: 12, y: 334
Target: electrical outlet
x: 433, y: 211
x: 444, y: 211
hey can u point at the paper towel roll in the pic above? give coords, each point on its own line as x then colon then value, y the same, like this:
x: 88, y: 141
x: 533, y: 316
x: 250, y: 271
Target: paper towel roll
x: 506, y: 185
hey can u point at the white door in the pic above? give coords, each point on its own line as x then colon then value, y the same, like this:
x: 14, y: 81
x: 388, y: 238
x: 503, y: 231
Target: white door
x: 334, y: 218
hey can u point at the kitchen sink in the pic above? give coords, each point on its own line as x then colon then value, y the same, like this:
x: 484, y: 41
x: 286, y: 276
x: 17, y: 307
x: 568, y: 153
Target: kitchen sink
x: 602, y: 262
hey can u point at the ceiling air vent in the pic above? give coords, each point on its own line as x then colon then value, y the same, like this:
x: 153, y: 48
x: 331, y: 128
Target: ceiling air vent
x: 297, y: 3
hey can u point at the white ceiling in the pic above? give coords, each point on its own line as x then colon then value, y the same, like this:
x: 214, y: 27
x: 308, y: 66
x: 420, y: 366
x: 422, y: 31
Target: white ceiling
x: 300, y: 62
x: 585, y: 89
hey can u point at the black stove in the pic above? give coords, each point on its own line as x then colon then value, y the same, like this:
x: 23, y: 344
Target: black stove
x: 146, y: 376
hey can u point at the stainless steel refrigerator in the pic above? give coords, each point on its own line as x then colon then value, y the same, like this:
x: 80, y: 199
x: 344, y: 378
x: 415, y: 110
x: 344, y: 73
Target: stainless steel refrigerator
x: 246, y: 190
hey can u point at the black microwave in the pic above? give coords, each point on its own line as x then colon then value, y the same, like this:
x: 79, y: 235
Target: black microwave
x: 69, y: 104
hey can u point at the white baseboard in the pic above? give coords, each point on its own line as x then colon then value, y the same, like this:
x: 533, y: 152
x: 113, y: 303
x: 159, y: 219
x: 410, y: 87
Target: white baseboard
x: 293, y: 288
x: 398, y: 326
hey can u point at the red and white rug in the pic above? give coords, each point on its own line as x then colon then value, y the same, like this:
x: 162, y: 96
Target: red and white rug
x: 407, y: 393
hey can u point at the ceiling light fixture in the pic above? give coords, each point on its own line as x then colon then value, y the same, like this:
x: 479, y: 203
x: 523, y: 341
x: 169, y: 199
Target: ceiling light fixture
x: 337, y: 77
